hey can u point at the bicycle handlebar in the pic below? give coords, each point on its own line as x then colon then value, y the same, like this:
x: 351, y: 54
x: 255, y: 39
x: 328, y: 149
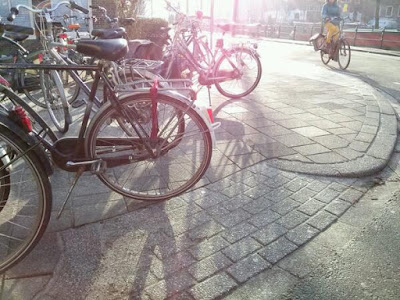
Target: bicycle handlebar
x: 78, y: 7
x: 14, y: 11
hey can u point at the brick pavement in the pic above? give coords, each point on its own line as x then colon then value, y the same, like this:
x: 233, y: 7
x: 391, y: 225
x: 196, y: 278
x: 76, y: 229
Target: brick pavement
x: 247, y: 213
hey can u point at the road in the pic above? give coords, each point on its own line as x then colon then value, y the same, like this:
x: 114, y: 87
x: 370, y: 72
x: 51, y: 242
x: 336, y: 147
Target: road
x: 380, y: 71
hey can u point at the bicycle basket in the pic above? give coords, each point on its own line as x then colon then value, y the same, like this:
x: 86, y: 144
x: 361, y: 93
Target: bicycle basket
x: 317, y: 40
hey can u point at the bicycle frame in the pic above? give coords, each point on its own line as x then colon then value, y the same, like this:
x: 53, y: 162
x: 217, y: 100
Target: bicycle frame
x: 46, y: 130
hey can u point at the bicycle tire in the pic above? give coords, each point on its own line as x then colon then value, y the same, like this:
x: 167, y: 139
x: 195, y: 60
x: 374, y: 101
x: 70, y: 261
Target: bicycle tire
x: 325, y: 57
x: 17, y: 214
x: 222, y: 88
x: 148, y: 184
x: 344, y: 50
x: 56, y: 102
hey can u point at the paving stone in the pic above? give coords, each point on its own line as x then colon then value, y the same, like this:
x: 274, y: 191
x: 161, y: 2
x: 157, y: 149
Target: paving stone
x: 274, y: 149
x: 296, y: 184
x: 327, y: 195
x: 277, y: 250
x: 365, y: 137
x: 270, y: 233
x: 310, y: 131
x: 324, y: 124
x: 293, y: 140
x: 86, y: 214
x: 303, y: 195
x: 171, y: 286
x: 241, y: 248
x: 322, y: 220
x: 307, y: 117
x: 285, y: 206
x: 213, y: 287
x: 292, y: 219
x: 211, y: 199
x: 311, y: 149
x: 235, y: 190
x: 327, y: 158
x: 264, y: 218
x: 354, y: 125
x: 257, y: 123
x: 302, y: 234
x: 349, y: 153
x: 248, y: 267
x: 255, y: 180
x: 258, y: 191
x: 311, y: 207
x: 205, y: 230
x: 209, y: 266
x: 351, y: 195
x: 238, y: 232
x: 331, y: 141
x: 208, y: 247
x: 217, y: 210
x: 341, y: 130
x: 276, y: 181
x: 276, y: 130
x: 337, y: 207
x: 338, y: 118
x: 233, y: 218
x: 237, y: 202
x: 279, y: 194
x: 173, y: 264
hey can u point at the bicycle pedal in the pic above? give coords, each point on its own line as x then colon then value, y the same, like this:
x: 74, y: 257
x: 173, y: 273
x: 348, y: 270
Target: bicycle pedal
x: 98, y: 167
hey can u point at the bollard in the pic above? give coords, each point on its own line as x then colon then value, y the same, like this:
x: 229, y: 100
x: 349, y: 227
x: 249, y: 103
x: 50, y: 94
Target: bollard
x: 355, y: 36
x: 294, y: 32
x: 382, y: 35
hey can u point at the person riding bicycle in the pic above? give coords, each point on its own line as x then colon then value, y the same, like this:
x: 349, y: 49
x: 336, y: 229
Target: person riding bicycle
x: 331, y: 16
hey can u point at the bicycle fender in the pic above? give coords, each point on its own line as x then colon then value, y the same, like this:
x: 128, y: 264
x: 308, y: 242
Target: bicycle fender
x: 29, y: 139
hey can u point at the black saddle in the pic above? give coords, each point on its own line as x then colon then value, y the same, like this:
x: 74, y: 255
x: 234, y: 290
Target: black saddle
x: 112, y: 50
x: 113, y: 33
x: 17, y: 37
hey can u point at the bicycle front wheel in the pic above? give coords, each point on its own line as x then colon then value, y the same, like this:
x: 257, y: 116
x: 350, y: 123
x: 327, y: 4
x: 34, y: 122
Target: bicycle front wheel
x: 25, y: 199
x: 344, y: 54
x: 178, y: 137
x: 55, y: 99
x: 240, y: 71
x: 325, y: 57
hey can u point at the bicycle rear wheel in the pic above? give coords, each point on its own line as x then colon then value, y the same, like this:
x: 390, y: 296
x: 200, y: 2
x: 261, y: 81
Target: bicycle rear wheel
x: 344, y: 54
x: 242, y: 70
x: 182, y: 145
x: 55, y: 99
x: 25, y: 202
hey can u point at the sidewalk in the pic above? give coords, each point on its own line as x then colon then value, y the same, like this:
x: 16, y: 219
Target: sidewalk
x: 283, y: 196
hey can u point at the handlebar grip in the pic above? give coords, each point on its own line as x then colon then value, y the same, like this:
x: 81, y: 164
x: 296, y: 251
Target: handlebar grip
x: 18, y: 29
x: 77, y: 7
x: 94, y: 6
x: 13, y: 13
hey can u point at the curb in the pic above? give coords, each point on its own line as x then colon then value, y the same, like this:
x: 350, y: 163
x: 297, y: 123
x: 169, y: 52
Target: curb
x: 357, y: 49
x: 374, y: 160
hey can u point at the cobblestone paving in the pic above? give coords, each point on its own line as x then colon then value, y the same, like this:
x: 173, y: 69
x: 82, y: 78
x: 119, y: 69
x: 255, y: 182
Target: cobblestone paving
x: 245, y: 215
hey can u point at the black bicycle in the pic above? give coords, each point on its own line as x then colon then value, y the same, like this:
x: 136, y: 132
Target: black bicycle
x: 148, y: 144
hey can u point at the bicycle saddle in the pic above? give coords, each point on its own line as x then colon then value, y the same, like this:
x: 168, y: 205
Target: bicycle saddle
x: 112, y: 50
x: 17, y: 37
x: 112, y: 33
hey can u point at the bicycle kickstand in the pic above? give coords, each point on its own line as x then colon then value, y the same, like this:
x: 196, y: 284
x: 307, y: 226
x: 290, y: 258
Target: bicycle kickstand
x: 77, y: 176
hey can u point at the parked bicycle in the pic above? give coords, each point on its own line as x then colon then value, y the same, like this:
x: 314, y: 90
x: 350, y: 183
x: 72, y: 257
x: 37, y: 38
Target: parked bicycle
x: 338, y: 51
x: 146, y: 145
x: 235, y: 71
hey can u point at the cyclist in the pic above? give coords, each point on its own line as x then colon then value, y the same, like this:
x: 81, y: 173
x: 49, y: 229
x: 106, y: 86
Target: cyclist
x: 331, y: 16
